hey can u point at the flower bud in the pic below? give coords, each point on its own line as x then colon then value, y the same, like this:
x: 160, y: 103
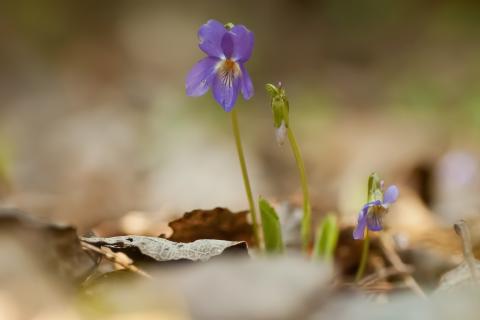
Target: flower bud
x: 229, y: 25
x: 279, y: 105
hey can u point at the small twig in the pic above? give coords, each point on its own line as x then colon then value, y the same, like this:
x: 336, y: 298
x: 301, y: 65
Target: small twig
x: 379, y: 288
x: 383, y: 274
x: 462, y: 231
x: 115, y: 258
x: 398, y: 264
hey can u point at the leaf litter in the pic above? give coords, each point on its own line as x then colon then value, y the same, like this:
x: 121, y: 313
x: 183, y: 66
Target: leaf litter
x: 163, y: 250
x: 286, y: 287
x: 218, y: 223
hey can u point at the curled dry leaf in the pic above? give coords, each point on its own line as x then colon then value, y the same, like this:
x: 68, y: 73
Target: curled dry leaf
x: 55, y: 247
x: 467, y: 273
x: 138, y: 247
x: 218, y: 223
x: 458, y: 277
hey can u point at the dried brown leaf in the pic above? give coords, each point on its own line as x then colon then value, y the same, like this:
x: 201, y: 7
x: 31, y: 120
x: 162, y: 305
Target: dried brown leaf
x: 218, y: 223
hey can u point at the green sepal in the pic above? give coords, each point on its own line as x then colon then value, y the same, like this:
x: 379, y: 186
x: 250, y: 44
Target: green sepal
x: 375, y: 191
x: 272, y: 231
x: 271, y: 89
x: 279, y: 103
x: 326, y: 238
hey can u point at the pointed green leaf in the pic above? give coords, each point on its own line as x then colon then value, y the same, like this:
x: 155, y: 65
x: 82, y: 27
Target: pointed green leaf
x: 326, y: 238
x: 272, y: 232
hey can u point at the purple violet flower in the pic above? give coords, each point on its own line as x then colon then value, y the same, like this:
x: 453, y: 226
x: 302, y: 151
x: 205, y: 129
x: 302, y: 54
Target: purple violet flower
x: 223, y: 70
x: 373, y: 212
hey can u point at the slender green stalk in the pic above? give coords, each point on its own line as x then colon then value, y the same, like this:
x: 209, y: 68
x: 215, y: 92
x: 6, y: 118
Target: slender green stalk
x: 246, y: 181
x: 307, y: 211
x: 374, y: 193
x: 363, y: 259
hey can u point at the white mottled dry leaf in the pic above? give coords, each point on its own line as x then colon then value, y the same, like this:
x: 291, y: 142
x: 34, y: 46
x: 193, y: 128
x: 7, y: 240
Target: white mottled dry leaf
x: 458, y: 277
x: 467, y: 273
x: 165, y: 250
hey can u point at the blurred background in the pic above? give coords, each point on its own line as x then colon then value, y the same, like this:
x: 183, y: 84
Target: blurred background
x: 95, y: 123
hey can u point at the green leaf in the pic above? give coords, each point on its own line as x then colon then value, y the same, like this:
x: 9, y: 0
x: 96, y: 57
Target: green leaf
x: 326, y: 238
x: 272, y: 232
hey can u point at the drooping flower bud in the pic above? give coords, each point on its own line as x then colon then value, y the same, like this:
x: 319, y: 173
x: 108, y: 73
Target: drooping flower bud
x: 280, y: 109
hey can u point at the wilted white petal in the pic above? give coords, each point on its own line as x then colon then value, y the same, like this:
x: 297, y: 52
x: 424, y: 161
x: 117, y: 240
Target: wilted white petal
x: 281, y: 134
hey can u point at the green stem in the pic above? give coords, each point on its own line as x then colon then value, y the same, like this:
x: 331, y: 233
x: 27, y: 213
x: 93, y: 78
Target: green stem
x: 307, y: 211
x: 363, y: 260
x: 246, y: 181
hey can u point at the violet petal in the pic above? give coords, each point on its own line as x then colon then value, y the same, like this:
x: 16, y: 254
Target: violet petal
x: 374, y: 219
x: 226, y: 92
x: 243, y: 41
x: 210, y: 35
x: 227, y: 45
x: 247, y: 85
x: 390, y: 195
x: 200, y: 77
x: 359, y: 232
